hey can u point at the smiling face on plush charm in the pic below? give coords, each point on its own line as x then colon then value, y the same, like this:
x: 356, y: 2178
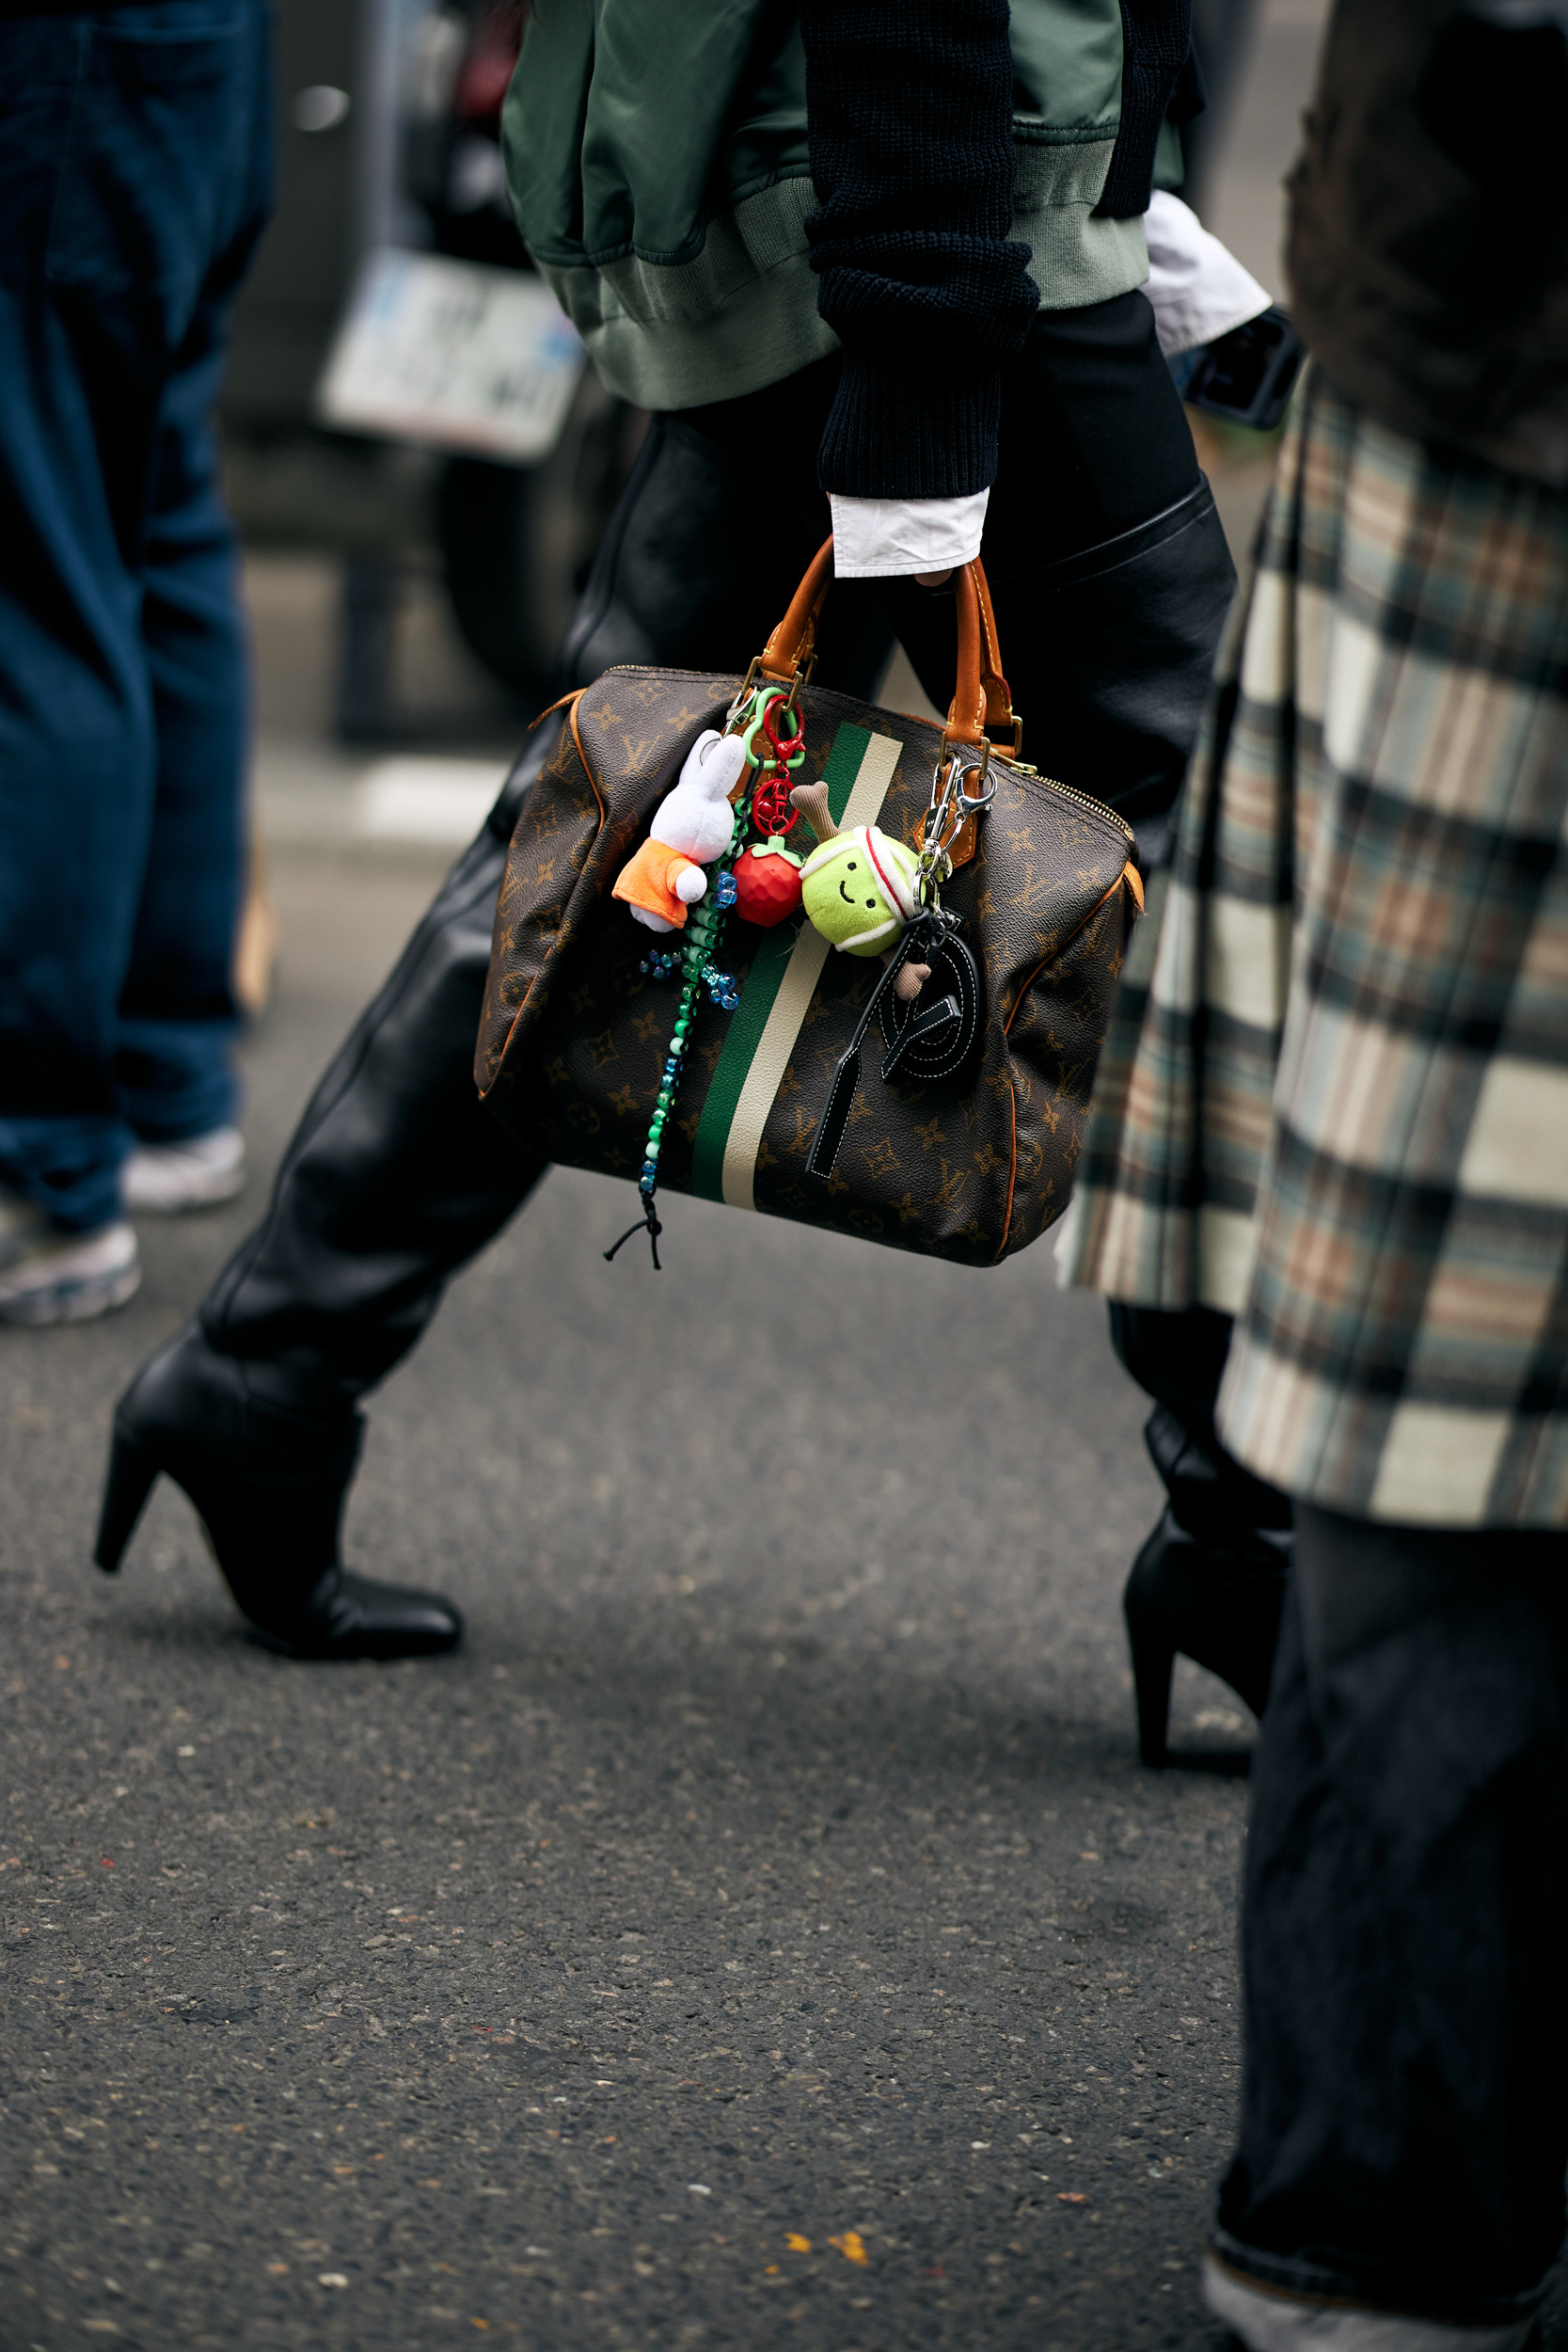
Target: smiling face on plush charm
x: 859, y: 890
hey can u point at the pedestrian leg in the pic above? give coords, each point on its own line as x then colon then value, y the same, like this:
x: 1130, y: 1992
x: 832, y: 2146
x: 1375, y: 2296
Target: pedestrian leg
x: 174, y: 1067
x: 397, y: 1175
x: 1404, y: 2117
x: 133, y: 182
x: 1209, y: 1580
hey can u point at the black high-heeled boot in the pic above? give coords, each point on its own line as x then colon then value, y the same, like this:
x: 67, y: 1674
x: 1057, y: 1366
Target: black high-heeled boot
x: 267, y: 1480
x: 1218, y: 1606
x: 397, y: 1174
x: 1209, y: 1582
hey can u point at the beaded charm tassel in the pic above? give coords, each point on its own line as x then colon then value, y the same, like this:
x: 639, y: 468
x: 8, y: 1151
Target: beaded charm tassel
x: 699, y: 942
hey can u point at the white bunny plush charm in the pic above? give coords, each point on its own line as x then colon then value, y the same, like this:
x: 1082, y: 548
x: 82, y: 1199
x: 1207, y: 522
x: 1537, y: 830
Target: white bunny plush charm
x: 694, y: 825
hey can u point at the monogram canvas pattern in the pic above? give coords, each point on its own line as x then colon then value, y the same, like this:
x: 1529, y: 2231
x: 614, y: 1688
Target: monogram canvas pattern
x: 573, y: 1036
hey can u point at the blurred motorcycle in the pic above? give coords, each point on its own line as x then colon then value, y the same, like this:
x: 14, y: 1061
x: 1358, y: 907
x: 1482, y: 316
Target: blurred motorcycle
x: 400, y: 372
x: 516, y: 538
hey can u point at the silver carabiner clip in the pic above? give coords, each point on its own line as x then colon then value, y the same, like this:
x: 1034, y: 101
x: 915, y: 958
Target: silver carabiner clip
x: 972, y: 803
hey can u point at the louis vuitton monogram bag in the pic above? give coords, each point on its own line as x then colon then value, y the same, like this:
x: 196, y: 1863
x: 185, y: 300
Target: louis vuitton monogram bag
x: 932, y: 1098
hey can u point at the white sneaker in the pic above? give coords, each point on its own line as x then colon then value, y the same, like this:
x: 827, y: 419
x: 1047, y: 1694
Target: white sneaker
x: 50, y: 1277
x: 1267, y: 2321
x: 165, y: 1179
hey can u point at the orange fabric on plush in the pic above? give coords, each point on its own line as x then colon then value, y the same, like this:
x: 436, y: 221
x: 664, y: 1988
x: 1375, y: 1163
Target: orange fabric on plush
x: 648, y: 880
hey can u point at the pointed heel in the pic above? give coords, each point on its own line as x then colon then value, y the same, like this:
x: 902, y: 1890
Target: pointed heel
x: 132, y: 1470
x: 1153, y: 1665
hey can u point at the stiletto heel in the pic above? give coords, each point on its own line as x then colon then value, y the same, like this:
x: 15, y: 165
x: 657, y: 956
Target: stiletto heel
x: 132, y: 1472
x: 1153, y: 1668
x: 1218, y: 1605
x: 266, y: 1477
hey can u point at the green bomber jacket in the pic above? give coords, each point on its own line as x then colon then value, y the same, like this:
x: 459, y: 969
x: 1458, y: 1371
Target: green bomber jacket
x: 655, y: 153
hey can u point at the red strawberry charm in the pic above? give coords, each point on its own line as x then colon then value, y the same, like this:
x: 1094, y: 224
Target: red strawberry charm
x: 767, y: 883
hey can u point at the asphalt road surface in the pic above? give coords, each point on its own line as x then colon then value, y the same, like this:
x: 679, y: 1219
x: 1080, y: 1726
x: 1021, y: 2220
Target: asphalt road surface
x: 759, y: 1935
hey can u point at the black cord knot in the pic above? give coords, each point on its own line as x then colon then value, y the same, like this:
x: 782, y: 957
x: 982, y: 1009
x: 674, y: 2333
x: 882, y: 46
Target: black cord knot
x: 647, y: 1223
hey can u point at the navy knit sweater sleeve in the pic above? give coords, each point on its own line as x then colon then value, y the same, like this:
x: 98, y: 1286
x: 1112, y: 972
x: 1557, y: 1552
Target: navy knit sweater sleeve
x: 910, y: 106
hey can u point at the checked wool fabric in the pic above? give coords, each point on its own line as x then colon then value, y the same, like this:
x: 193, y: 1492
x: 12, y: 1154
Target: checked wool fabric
x: 1333, y: 1100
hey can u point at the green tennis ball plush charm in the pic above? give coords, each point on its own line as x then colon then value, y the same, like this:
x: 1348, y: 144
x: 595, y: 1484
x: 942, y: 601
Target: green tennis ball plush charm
x: 860, y: 887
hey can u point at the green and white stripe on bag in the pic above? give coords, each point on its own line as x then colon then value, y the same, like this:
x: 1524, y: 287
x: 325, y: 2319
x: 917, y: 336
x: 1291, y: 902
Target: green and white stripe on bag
x: 766, y: 1024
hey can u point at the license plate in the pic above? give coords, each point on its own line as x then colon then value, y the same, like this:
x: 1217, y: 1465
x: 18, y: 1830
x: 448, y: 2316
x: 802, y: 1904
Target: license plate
x: 453, y: 355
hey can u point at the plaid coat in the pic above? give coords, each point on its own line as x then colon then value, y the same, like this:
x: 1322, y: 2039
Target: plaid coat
x: 1334, y: 1102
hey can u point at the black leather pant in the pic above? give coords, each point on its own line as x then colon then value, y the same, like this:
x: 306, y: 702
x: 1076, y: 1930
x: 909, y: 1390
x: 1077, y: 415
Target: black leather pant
x: 1111, y: 579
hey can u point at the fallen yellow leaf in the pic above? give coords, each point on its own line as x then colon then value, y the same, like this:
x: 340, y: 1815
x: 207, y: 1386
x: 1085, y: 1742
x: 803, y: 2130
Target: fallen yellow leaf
x: 849, y: 2245
x: 798, y: 2245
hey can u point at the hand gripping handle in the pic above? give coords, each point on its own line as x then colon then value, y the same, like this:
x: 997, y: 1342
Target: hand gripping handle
x: 981, y: 700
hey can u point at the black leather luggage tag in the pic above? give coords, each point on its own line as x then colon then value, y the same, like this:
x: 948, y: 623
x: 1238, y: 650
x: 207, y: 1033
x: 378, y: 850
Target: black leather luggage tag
x: 934, y: 1037
x: 928, y: 1038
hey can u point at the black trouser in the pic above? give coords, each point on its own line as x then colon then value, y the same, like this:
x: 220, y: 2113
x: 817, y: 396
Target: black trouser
x: 1405, y: 2118
x: 1111, y: 581
x: 1404, y: 2124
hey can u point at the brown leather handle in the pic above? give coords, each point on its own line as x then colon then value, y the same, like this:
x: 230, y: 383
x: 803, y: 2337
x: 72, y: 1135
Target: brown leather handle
x: 789, y: 649
x: 982, y: 697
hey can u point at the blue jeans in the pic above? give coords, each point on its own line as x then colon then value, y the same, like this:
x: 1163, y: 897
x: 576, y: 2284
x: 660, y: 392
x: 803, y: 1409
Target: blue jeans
x: 136, y: 168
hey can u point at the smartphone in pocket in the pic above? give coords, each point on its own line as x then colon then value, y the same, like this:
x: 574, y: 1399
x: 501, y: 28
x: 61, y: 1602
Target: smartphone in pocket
x: 1245, y: 376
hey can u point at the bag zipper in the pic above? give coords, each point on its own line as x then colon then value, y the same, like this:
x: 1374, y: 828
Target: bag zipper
x: 1020, y: 767
x: 1069, y: 791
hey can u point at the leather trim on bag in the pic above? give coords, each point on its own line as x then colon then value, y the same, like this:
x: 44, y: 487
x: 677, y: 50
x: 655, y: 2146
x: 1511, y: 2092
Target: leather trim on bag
x: 572, y: 701
x: 1012, y: 1165
x: 576, y: 738
x: 1129, y: 875
x: 573, y: 693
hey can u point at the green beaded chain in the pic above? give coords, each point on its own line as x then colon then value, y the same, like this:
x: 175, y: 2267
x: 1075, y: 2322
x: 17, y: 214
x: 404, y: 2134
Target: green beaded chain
x: 700, y: 944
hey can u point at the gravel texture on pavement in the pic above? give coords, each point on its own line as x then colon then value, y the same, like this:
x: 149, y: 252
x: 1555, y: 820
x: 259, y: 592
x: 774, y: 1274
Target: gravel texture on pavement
x: 760, y: 1933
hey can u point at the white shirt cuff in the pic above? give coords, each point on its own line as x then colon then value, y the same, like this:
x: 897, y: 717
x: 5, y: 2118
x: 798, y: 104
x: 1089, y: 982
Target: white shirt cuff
x: 888, y: 538
x: 1199, y: 289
